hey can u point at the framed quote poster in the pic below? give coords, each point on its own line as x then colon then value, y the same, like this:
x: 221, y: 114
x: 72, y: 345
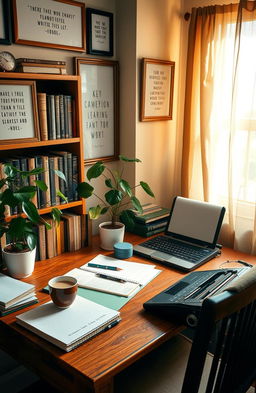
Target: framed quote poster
x: 99, y: 32
x: 100, y: 110
x: 58, y: 24
x: 5, y: 22
x: 18, y: 112
x: 157, y: 90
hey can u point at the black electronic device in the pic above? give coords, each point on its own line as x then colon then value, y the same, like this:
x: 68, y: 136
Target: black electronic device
x: 183, y: 300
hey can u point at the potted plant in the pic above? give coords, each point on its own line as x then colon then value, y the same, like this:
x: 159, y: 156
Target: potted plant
x: 16, y: 199
x: 118, y: 198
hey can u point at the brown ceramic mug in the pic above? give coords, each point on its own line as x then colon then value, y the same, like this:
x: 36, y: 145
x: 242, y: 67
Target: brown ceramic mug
x: 63, y: 290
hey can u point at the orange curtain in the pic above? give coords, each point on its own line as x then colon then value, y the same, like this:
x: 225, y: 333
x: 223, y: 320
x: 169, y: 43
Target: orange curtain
x: 220, y: 107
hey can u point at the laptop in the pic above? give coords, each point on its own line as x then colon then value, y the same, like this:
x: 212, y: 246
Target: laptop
x: 190, y: 236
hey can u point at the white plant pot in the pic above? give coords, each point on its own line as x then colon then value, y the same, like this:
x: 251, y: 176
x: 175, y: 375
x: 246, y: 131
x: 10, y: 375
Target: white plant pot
x: 110, y: 236
x: 20, y: 265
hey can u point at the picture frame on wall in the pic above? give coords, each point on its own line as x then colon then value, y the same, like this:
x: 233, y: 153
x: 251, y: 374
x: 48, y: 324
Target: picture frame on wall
x: 58, y: 24
x: 99, y: 32
x: 5, y: 23
x: 18, y: 112
x: 100, y: 108
x: 157, y: 89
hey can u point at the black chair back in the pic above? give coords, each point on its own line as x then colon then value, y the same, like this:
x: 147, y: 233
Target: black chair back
x: 231, y: 315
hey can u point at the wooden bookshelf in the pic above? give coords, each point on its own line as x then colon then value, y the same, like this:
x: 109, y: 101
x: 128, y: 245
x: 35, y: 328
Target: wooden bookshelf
x: 52, y: 84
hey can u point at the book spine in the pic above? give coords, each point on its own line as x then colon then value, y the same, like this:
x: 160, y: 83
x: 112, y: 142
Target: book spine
x: 62, y: 117
x: 51, y: 117
x: 153, y: 216
x: 69, y: 177
x: 151, y: 226
x: 57, y: 115
x: 46, y: 179
x: 42, y: 114
x: 42, y: 242
x: 69, y: 116
x: 52, y: 181
x: 56, y: 179
x: 74, y: 177
x: 146, y: 234
x: 24, y: 167
x: 61, y: 181
x: 40, y: 61
x: 31, y: 166
x: 66, y: 116
x: 41, y: 198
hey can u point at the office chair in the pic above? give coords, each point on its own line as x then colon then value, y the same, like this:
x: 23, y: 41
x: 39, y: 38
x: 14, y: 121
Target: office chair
x: 181, y: 367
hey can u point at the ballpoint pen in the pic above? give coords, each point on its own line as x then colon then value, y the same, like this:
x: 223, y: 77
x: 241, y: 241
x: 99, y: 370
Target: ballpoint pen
x: 110, y: 277
x: 106, y: 267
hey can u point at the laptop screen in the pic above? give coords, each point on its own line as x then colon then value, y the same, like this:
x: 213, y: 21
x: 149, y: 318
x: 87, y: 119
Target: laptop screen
x: 195, y: 220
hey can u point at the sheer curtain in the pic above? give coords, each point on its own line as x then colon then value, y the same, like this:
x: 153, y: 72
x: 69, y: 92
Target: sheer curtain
x: 219, y: 145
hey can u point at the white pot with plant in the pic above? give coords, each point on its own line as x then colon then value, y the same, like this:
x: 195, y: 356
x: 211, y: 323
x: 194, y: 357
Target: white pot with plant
x: 118, y: 198
x: 19, y: 254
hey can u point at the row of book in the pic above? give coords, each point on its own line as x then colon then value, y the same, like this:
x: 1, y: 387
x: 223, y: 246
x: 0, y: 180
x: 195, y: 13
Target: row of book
x: 72, y: 233
x: 63, y: 161
x: 151, y: 221
x: 55, y: 112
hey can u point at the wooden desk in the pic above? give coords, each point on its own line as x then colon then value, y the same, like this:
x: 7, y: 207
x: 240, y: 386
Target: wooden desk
x: 92, y: 366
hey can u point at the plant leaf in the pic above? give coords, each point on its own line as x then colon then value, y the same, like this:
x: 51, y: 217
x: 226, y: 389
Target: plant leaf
x: 17, y: 227
x: 84, y: 190
x: 31, y: 240
x: 125, y: 186
x: 126, y: 159
x: 95, y: 212
x: 60, y: 174
x: 30, y: 210
x: 56, y: 214
x: 113, y: 197
x: 10, y: 170
x: 147, y: 189
x: 96, y: 170
x: 136, y: 203
x: 127, y: 217
x: 108, y: 183
x: 41, y: 184
x: 25, y: 193
x: 7, y: 198
x: 62, y: 196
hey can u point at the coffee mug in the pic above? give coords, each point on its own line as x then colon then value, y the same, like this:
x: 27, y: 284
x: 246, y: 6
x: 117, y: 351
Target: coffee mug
x: 63, y: 290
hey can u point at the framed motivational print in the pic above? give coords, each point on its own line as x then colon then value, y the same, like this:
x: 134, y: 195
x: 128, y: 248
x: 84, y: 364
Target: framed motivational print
x: 99, y: 32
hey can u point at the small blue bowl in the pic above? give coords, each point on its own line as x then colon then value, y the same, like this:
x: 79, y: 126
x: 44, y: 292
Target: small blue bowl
x: 123, y: 250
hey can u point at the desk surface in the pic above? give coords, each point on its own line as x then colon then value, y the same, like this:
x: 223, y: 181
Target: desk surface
x: 92, y: 366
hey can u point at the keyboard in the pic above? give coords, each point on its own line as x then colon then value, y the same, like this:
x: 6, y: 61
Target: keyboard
x: 177, y: 249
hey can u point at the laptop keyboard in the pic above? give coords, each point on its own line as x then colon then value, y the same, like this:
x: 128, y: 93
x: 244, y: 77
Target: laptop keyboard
x: 177, y: 249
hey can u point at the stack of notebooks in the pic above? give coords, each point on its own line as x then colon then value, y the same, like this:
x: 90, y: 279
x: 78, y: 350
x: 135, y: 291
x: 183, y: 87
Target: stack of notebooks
x: 15, y: 294
x: 151, y: 221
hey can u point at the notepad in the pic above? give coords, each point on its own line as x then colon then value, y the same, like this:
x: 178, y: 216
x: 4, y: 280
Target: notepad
x: 133, y: 272
x: 70, y: 327
x: 89, y: 280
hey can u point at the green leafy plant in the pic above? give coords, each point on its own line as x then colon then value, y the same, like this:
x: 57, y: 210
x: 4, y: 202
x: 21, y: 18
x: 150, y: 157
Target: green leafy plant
x: 119, y: 196
x: 16, y: 194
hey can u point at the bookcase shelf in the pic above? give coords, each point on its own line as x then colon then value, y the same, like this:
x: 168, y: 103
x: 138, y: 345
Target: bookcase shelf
x: 52, y: 85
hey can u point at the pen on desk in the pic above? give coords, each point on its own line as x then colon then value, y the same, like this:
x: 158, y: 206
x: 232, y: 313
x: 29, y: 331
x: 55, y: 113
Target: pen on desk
x: 106, y: 267
x: 110, y: 277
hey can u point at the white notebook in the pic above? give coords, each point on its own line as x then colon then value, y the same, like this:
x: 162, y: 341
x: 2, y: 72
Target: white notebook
x: 134, y: 272
x: 12, y: 291
x: 70, y: 327
x: 89, y: 280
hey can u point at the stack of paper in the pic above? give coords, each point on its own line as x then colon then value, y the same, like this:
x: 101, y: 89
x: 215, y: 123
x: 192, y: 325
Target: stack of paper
x: 15, y: 294
x: 124, y: 281
x: 69, y: 327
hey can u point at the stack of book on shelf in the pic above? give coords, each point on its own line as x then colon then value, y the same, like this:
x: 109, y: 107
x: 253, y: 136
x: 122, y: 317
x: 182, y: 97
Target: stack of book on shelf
x: 110, y: 275
x: 151, y: 221
x: 15, y: 294
x: 72, y: 326
x: 40, y: 66
x: 55, y: 112
x: 63, y: 161
x: 73, y: 233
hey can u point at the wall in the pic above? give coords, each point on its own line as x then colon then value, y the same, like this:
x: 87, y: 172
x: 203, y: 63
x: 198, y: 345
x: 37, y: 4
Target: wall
x: 158, y: 143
